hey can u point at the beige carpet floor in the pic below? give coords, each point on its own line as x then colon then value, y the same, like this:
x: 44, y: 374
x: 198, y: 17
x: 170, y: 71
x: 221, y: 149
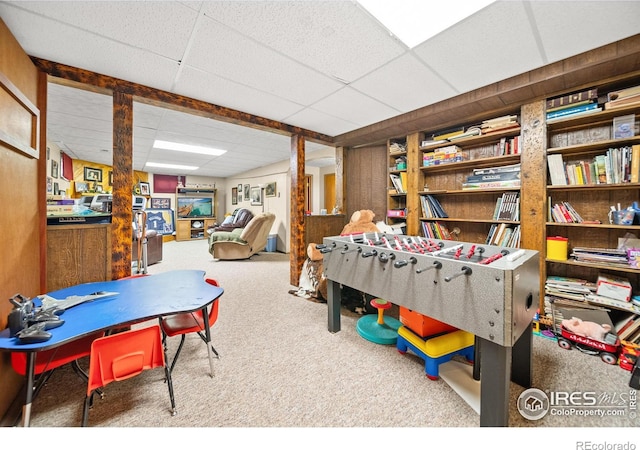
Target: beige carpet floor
x: 280, y: 368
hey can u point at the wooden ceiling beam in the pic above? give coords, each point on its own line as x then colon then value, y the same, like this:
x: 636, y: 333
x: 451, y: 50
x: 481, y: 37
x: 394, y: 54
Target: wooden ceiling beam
x: 76, y: 77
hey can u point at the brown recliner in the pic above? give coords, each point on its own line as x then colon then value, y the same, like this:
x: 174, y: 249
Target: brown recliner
x: 242, y: 243
x: 240, y: 219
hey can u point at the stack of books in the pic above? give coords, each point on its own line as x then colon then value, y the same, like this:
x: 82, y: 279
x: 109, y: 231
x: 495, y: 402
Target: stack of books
x: 499, y: 124
x: 494, y: 177
x: 605, y: 256
x: 442, y: 155
x: 623, y: 98
x: 571, y: 105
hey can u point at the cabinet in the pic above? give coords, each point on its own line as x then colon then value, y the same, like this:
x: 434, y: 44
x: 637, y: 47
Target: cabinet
x: 580, y: 147
x: 187, y: 229
x: 195, y: 212
x: 78, y: 254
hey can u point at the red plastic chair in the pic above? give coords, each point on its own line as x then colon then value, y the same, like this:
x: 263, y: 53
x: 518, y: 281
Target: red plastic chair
x: 185, y: 323
x: 49, y: 360
x: 121, y: 356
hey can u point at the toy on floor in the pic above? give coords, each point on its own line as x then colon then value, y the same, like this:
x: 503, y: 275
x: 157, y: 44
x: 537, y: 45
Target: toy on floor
x: 436, y: 350
x: 376, y: 328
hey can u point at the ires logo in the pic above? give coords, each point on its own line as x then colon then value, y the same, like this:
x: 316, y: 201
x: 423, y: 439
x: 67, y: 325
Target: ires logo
x: 573, y: 399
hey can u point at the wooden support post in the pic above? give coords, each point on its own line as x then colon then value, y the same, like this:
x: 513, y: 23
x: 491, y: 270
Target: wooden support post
x: 298, y: 251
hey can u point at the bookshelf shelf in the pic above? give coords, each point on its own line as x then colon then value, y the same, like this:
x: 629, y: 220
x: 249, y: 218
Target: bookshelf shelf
x: 461, y: 220
x: 472, y: 164
x: 593, y: 146
x: 570, y: 262
x: 589, y: 120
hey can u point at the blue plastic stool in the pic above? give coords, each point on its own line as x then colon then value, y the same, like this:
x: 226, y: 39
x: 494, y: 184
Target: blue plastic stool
x: 436, y: 350
x: 377, y: 328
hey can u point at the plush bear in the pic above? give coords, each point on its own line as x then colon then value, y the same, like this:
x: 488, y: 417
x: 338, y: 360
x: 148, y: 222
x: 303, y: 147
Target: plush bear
x: 361, y: 222
x: 587, y: 329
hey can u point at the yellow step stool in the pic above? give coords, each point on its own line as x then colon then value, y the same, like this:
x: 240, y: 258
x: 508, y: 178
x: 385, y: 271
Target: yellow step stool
x: 436, y: 350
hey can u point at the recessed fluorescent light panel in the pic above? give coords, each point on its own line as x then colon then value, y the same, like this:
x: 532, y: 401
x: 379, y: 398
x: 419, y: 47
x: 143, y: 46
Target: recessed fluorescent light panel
x: 170, y: 166
x: 415, y: 21
x: 176, y: 146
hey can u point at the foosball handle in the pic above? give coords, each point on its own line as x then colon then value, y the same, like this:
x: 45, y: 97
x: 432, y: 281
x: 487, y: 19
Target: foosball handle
x: 373, y: 252
x: 464, y: 271
x: 436, y: 265
x: 404, y: 262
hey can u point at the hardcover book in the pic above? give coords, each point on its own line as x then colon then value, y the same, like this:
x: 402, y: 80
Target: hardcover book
x: 576, y: 97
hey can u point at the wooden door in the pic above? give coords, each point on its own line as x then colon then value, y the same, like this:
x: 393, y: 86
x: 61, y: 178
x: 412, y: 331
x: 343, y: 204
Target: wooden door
x: 22, y: 188
x: 329, y: 192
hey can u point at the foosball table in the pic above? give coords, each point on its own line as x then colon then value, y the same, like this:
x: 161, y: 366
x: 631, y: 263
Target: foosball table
x: 489, y: 291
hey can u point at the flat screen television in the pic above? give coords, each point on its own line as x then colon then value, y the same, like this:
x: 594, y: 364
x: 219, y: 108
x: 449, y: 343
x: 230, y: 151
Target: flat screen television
x: 192, y: 207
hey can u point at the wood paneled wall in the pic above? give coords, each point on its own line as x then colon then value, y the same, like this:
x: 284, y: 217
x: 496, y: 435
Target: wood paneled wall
x: 22, y: 194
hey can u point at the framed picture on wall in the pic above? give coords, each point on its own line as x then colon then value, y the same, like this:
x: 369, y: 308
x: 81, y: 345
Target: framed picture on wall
x: 160, y: 203
x: 246, y: 192
x: 270, y: 189
x: 234, y: 196
x: 49, y: 185
x: 91, y: 174
x: 256, y: 196
x: 144, y: 188
x: 81, y: 187
x: 54, y: 168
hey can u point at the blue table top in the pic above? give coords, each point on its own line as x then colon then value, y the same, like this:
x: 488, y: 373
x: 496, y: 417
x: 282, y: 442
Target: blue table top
x: 138, y: 299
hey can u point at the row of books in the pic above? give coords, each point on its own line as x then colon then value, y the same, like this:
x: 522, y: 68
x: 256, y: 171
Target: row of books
x: 443, y: 155
x: 563, y: 212
x: 435, y: 230
x: 431, y: 207
x: 617, y: 165
x: 507, y: 207
x: 504, y: 235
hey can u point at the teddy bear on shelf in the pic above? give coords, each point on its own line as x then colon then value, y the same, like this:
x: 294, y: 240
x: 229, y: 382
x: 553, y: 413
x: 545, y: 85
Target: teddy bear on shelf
x: 361, y: 222
x: 587, y: 329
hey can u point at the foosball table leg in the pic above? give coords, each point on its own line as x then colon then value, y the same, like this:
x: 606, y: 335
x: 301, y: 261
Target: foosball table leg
x: 333, y: 305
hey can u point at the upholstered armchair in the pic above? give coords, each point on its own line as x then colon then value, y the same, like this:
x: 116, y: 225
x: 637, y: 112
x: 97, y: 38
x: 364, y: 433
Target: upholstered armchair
x: 242, y: 243
x: 239, y: 219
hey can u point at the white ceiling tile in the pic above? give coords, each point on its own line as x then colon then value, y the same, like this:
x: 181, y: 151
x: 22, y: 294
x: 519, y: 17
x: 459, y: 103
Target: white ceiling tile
x: 404, y: 84
x: 132, y: 23
x: 335, y: 37
x: 223, y: 52
x: 351, y: 105
x: 322, y: 122
x: 571, y: 27
x: 223, y: 92
x: 493, y: 44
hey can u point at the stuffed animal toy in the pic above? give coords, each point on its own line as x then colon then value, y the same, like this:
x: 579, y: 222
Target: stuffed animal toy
x: 313, y: 283
x: 587, y: 329
x: 361, y: 222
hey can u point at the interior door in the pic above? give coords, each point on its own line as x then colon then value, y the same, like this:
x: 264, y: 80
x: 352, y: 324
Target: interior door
x: 22, y: 189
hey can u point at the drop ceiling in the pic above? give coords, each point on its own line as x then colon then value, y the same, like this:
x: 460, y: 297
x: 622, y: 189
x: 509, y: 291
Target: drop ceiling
x: 326, y: 66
